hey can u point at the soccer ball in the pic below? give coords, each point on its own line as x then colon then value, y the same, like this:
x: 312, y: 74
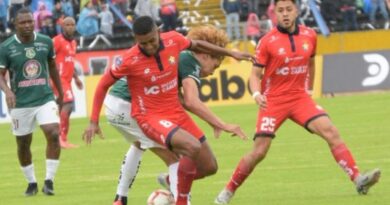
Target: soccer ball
x: 161, y: 197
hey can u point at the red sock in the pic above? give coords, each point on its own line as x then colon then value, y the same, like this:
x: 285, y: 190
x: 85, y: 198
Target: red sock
x: 64, y: 126
x: 240, y: 174
x: 186, y: 173
x: 344, y: 158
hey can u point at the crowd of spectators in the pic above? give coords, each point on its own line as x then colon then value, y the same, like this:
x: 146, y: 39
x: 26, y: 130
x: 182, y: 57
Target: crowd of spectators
x: 100, y: 17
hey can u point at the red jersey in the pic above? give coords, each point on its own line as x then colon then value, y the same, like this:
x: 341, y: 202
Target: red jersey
x: 152, y: 80
x: 285, y: 57
x: 65, y: 54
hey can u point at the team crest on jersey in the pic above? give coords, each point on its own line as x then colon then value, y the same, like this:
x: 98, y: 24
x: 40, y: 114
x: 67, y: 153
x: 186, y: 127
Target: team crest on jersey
x: 30, y: 53
x: 147, y: 71
x: 305, y: 46
x: 281, y: 51
x: 32, y: 69
x: 172, y: 60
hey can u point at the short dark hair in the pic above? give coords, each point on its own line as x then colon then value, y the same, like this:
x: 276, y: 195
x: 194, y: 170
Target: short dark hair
x: 143, y: 25
x: 23, y: 10
x: 276, y: 1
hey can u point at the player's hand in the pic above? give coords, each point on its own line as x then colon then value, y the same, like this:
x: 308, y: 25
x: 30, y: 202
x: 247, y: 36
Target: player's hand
x: 261, y: 100
x: 78, y: 83
x: 217, y: 131
x: 60, y: 101
x: 235, y: 130
x: 10, y: 98
x: 242, y: 56
x: 92, y: 130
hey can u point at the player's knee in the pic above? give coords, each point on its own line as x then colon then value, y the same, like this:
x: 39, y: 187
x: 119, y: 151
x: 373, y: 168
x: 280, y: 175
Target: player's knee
x: 192, y: 149
x: 331, y: 134
x: 53, y: 136
x: 258, y: 155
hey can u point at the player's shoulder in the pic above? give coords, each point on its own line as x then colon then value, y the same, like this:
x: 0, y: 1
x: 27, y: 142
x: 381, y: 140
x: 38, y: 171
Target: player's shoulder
x: 270, y: 36
x: 170, y: 34
x: 186, y: 55
x: 58, y: 37
x: 8, y: 42
x: 307, y: 31
x: 42, y: 38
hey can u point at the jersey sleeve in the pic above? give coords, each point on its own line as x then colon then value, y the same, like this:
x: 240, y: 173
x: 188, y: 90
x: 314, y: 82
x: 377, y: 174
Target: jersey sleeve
x: 261, y: 54
x: 3, y: 57
x: 120, y: 68
x: 188, y: 68
x: 182, y: 41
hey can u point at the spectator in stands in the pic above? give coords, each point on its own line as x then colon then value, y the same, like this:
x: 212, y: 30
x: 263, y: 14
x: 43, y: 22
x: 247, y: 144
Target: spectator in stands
x: 48, y: 27
x: 14, y: 7
x: 88, y: 24
x: 121, y: 5
x: 168, y: 14
x: 348, y: 11
x: 253, y: 27
x: 329, y: 10
x: 67, y: 7
x: 3, y: 15
x: 381, y: 4
x: 41, y: 15
x: 231, y: 9
x: 146, y: 8
x: 254, y: 6
x: 106, y: 20
x: 58, y: 16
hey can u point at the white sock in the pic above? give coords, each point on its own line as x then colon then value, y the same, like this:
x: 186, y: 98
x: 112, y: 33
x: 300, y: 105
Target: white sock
x: 51, y: 168
x: 173, y: 168
x: 129, y: 170
x: 29, y: 173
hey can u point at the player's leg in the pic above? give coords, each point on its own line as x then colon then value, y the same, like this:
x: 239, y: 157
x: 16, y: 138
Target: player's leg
x: 323, y: 127
x: 66, y: 110
x: 65, y: 113
x: 49, y: 122
x: 245, y: 168
x: 23, y: 124
x: 187, y: 146
x: 206, y: 164
x: 268, y: 122
x: 315, y: 119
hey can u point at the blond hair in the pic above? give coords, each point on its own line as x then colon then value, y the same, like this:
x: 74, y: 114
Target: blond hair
x: 210, y: 34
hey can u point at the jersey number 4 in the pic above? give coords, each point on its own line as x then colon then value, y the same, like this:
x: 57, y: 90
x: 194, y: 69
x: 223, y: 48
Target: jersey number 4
x: 268, y: 124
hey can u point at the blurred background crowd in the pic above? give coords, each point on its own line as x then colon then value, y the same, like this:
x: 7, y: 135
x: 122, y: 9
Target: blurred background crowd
x: 242, y: 19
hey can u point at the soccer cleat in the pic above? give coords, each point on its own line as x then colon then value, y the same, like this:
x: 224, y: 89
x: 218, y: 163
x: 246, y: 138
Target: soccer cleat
x: 120, y: 200
x: 224, y: 197
x: 48, y: 188
x: 32, y: 189
x: 163, y: 180
x: 365, y: 181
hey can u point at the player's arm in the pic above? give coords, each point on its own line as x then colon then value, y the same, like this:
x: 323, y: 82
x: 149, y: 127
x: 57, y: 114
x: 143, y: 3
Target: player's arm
x: 9, y: 95
x: 311, y: 75
x: 55, y: 77
x: 255, y: 85
x: 208, y: 48
x: 77, y: 80
x: 101, y: 90
x: 196, y: 106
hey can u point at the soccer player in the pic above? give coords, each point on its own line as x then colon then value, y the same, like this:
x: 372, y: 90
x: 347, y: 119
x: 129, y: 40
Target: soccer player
x: 29, y: 59
x: 65, y: 49
x: 192, y: 66
x: 285, y: 62
x: 151, y: 71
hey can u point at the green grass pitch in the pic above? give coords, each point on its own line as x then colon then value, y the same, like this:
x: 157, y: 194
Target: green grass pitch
x: 299, y: 168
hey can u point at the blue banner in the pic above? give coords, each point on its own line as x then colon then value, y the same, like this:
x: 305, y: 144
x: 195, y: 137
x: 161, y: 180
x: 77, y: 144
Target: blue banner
x: 118, y: 13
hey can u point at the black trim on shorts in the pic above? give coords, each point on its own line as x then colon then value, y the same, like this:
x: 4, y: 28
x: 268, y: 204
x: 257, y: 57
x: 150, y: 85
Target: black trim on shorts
x: 313, y: 118
x: 258, y: 65
x: 263, y: 134
x: 168, y: 140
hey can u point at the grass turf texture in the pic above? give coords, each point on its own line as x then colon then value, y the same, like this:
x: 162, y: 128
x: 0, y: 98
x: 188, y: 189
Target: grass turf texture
x: 299, y: 168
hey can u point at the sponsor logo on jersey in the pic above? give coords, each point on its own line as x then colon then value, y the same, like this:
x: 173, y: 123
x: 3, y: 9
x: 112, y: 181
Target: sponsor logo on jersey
x: 281, y: 51
x: 305, y: 46
x: 30, y: 52
x: 32, y: 69
x: 172, y: 60
x: 147, y: 71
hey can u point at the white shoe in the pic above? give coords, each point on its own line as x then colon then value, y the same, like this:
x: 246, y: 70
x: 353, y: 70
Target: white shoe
x: 224, y: 197
x: 366, y: 181
x: 387, y: 24
x: 162, y: 179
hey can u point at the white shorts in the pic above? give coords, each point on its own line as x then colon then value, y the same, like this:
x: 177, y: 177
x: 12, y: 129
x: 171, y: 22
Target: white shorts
x: 24, y: 119
x: 118, y: 113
